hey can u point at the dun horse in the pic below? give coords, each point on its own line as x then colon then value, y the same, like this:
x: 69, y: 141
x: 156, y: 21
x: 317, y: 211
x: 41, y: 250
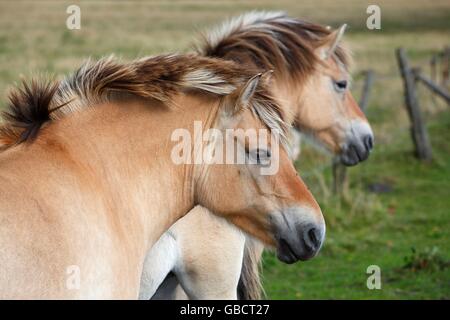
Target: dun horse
x: 87, y: 183
x: 311, y: 79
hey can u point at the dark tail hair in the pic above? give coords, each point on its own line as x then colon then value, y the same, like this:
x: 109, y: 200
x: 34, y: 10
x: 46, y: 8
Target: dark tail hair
x: 250, y: 287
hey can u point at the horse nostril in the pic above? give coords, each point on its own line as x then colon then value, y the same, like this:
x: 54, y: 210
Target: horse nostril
x: 313, y: 239
x: 368, y: 142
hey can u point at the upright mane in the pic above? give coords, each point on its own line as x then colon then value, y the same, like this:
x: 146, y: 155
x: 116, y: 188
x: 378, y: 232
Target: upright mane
x: 160, y: 78
x: 270, y: 40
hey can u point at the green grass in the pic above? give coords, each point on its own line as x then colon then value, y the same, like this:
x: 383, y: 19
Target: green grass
x: 363, y: 228
x: 381, y: 231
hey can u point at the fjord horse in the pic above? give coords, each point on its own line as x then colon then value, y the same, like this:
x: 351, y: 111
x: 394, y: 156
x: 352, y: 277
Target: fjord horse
x: 88, y: 183
x: 311, y: 79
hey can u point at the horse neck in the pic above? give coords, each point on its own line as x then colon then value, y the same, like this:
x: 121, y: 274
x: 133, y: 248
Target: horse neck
x: 288, y: 91
x: 127, y: 149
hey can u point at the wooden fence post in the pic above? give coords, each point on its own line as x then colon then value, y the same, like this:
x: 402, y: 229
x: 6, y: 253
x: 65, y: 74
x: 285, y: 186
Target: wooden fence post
x: 445, y: 66
x: 418, y: 130
x: 368, y: 81
x: 433, y: 67
x: 340, y: 178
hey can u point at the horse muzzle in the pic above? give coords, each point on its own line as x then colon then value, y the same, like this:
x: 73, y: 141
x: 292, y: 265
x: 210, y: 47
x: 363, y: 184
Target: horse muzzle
x: 359, y: 144
x: 298, y: 235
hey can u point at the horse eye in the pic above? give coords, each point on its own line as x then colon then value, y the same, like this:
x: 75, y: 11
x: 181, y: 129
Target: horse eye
x: 262, y: 153
x: 261, y: 156
x: 340, y: 85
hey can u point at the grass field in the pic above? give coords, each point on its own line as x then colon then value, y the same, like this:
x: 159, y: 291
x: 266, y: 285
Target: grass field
x: 363, y: 228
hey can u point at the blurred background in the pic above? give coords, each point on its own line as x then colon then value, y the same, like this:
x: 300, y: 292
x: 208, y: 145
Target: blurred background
x: 392, y: 211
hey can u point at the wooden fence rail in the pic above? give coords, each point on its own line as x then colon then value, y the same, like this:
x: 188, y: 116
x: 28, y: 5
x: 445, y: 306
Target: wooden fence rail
x: 440, y: 91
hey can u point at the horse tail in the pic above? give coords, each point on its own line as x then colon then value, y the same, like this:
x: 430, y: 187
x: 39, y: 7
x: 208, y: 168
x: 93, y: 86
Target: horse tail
x: 249, y: 286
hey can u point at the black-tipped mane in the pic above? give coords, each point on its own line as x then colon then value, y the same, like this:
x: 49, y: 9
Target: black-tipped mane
x: 159, y: 78
x: 28, y: 109
x: 270, y: 41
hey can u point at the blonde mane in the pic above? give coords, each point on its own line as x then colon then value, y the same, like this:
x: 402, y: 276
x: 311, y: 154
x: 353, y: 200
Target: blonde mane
x: 160, y: 78
x: 270, y: 40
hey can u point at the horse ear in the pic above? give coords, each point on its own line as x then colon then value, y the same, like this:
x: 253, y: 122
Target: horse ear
x: 329, y: 44
x: 246, y: 92
x: 266, y: 77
